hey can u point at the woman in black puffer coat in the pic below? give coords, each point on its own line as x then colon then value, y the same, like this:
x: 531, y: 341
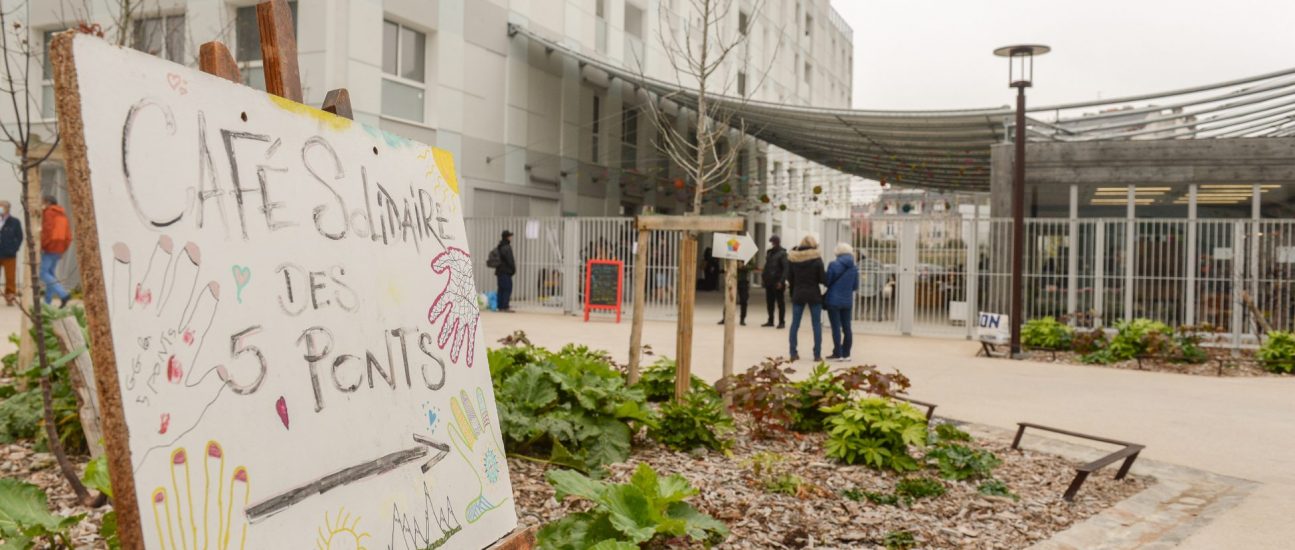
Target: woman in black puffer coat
x: 804, y: 277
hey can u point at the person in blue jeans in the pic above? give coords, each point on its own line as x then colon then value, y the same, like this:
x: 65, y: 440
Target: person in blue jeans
x: 842, y: 283
x: 55, y: 239
x: 804, y: 276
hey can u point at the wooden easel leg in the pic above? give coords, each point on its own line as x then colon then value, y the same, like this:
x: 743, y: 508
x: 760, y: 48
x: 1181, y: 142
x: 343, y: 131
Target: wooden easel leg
x: 521, y: 539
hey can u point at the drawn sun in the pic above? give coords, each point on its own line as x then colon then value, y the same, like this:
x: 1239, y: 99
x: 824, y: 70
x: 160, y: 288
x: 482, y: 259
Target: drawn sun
x: 342, y: 535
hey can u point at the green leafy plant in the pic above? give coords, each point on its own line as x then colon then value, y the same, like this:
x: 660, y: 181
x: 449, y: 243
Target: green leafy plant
x: 570, y: 408
x: 959, y: 462
x: 658, y: 379
x: 777, y: 404
x: 96, y: 478
x: 769, y: 470
x: 25, y: 520
x: 647, y: 510
x: 875, y: 431
x: 949, y: 432
x: 1046, y: 334
x: 1277, y: 354
x: 1088, y: 341
x: 995, y: 488
x: 21, y: 413
x: 699, y: 421
x: 899, y: 540
x: 919, y: 487
x: 880, y: 499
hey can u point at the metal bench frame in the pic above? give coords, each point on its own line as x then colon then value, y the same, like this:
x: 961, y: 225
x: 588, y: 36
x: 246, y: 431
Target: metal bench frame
x: 1129, y: 453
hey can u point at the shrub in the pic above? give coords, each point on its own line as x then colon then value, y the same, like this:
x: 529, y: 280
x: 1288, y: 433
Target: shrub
x: 899, y: 540
x: 21, y: 414
x: 880, y: 499
x: 646, y: 510
x: 570, y: 408
x: 995, y: 488
x: 25, y: 521
x: 1046, y: 333
x: 1277, y: 354
x: 1139, y: 337
x: 949, y: 432
x: 658, y: 379
x: 1088, y: 341
x: 699, y: 421
x: 96, y: 478
x: 875, y: 431
x: 959, y: 462
x: 776, y: 403
x: 919, y: 487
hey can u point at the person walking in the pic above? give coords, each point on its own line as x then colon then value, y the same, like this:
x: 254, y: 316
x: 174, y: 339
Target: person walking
x: 842, y: 283
x: 505, y: 267
x: 804, y: 277
x: 774, y: 280
x: 11, y: 238
x: 55, y: 238
x: 743, y: 291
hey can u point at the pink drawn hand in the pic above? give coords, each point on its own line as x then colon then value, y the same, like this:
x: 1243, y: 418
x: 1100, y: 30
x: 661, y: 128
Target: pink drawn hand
x: 456, y: 306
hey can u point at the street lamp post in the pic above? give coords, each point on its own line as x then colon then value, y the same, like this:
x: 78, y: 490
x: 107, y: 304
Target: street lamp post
x: 1020, y: 75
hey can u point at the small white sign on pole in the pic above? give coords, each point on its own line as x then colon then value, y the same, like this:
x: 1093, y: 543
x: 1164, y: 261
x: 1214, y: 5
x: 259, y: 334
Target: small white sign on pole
x: 729, y: 246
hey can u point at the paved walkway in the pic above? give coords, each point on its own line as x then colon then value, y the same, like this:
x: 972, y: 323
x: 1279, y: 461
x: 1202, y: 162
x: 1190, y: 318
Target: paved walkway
x: 1242, y: 427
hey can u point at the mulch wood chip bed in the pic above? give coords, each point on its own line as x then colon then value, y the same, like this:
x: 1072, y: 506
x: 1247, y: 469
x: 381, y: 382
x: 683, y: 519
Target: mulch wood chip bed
x: 821, y: 517
x: 1243, y: 365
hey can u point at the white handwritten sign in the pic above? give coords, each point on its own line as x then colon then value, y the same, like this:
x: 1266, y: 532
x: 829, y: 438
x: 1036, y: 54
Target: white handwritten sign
x: 994, y: 327
x: 289, y: 301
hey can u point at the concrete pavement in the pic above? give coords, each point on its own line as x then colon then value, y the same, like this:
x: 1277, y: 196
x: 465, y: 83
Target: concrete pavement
x: 1240, y: 427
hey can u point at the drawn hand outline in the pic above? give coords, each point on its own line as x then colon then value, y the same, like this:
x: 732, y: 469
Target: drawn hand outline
x: 181, y: 525
x: 456, y: 306
x: 473, y: 437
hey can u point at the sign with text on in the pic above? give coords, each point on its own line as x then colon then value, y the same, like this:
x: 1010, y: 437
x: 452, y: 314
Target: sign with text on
x: 283, y: 300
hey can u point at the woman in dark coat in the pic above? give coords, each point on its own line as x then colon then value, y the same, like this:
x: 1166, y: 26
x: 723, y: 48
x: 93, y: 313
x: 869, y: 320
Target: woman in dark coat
x: 804, y: 277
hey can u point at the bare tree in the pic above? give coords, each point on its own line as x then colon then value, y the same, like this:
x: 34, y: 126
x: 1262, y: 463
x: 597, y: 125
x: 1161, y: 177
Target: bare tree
x: 711, y: 42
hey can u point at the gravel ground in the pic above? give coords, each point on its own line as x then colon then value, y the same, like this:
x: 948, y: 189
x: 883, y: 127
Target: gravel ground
x: 820, y: 517
x: 21, y: 461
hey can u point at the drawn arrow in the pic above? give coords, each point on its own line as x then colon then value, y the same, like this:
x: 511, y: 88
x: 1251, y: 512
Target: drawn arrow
x: 380, y: 465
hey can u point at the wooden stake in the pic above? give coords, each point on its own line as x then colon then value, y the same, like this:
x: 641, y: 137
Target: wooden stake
x: 27, y: 344
x: 687, y: 301
x: 640, y: 299
x: 730, y: 321
x: 521, y: 539
x: 214, y: 58
x: 279, y: 49
x: 81, y: 373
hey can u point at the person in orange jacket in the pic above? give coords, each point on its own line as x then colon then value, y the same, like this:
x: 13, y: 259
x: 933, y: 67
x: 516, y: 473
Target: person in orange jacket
x: 55, y: 239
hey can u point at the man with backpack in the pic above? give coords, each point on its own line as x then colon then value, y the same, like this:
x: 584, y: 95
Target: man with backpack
x: 55, y: 239
x: 501, y: 259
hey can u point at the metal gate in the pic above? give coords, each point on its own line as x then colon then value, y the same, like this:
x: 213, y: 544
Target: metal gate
x: 552, y: 252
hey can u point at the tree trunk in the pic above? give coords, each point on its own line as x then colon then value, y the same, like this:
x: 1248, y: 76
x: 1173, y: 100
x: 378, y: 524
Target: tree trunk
x: 703, y: 135
x: 42, y: 357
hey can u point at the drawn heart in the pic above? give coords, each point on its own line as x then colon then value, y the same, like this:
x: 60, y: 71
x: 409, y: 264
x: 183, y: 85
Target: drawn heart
x: 174, y: 372
x: 177, y: 83
x: 281, y: 406
x: 188, y: 337
x: 166, y: 423
x: 242, y: 276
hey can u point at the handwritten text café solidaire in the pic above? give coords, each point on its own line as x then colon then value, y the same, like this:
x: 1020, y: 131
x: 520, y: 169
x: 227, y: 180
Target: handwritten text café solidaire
x: 378, y: 215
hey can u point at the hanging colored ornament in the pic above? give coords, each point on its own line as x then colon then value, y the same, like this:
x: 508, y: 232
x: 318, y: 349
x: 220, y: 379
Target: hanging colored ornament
x: 765, y: 199
x: 782, y: 207
x: 725, y: 188
x: 678, y: 183
x: 818, y: 189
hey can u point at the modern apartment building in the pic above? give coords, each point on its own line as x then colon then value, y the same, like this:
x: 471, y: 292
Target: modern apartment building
x: 535, y: 132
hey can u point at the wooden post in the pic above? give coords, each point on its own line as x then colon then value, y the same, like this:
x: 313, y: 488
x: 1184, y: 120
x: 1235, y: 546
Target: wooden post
x: 730, y: 321
x: 640, y: 302
x: 214, y: 58
x: 279, y: 49
x: 32, y: 202
x: 687, y: 301
x: 81, y: 373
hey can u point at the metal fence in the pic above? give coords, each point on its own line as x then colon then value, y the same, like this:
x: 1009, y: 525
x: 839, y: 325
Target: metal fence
x: 552, y: 253
x: 933, y: 275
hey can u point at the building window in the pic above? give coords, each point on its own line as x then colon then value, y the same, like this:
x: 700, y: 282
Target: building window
x: 809, y: 75
x: 47, y: 78
x: 741, y: 83
x: 247, y: 44
x: 161, y: 36
x: 809, y: 24
x: 404, y: 56
x: 743, y: 20
x: 629, y: 137
x: 596, y: 127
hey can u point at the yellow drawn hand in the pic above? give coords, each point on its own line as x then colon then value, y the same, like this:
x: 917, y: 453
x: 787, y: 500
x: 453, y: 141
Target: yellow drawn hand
x: 216, y: 525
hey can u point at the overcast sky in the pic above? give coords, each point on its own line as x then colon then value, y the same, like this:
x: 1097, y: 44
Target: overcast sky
x: 937, y: 54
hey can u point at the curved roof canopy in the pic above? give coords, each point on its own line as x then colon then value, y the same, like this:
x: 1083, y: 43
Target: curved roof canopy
x: 950, y: 149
